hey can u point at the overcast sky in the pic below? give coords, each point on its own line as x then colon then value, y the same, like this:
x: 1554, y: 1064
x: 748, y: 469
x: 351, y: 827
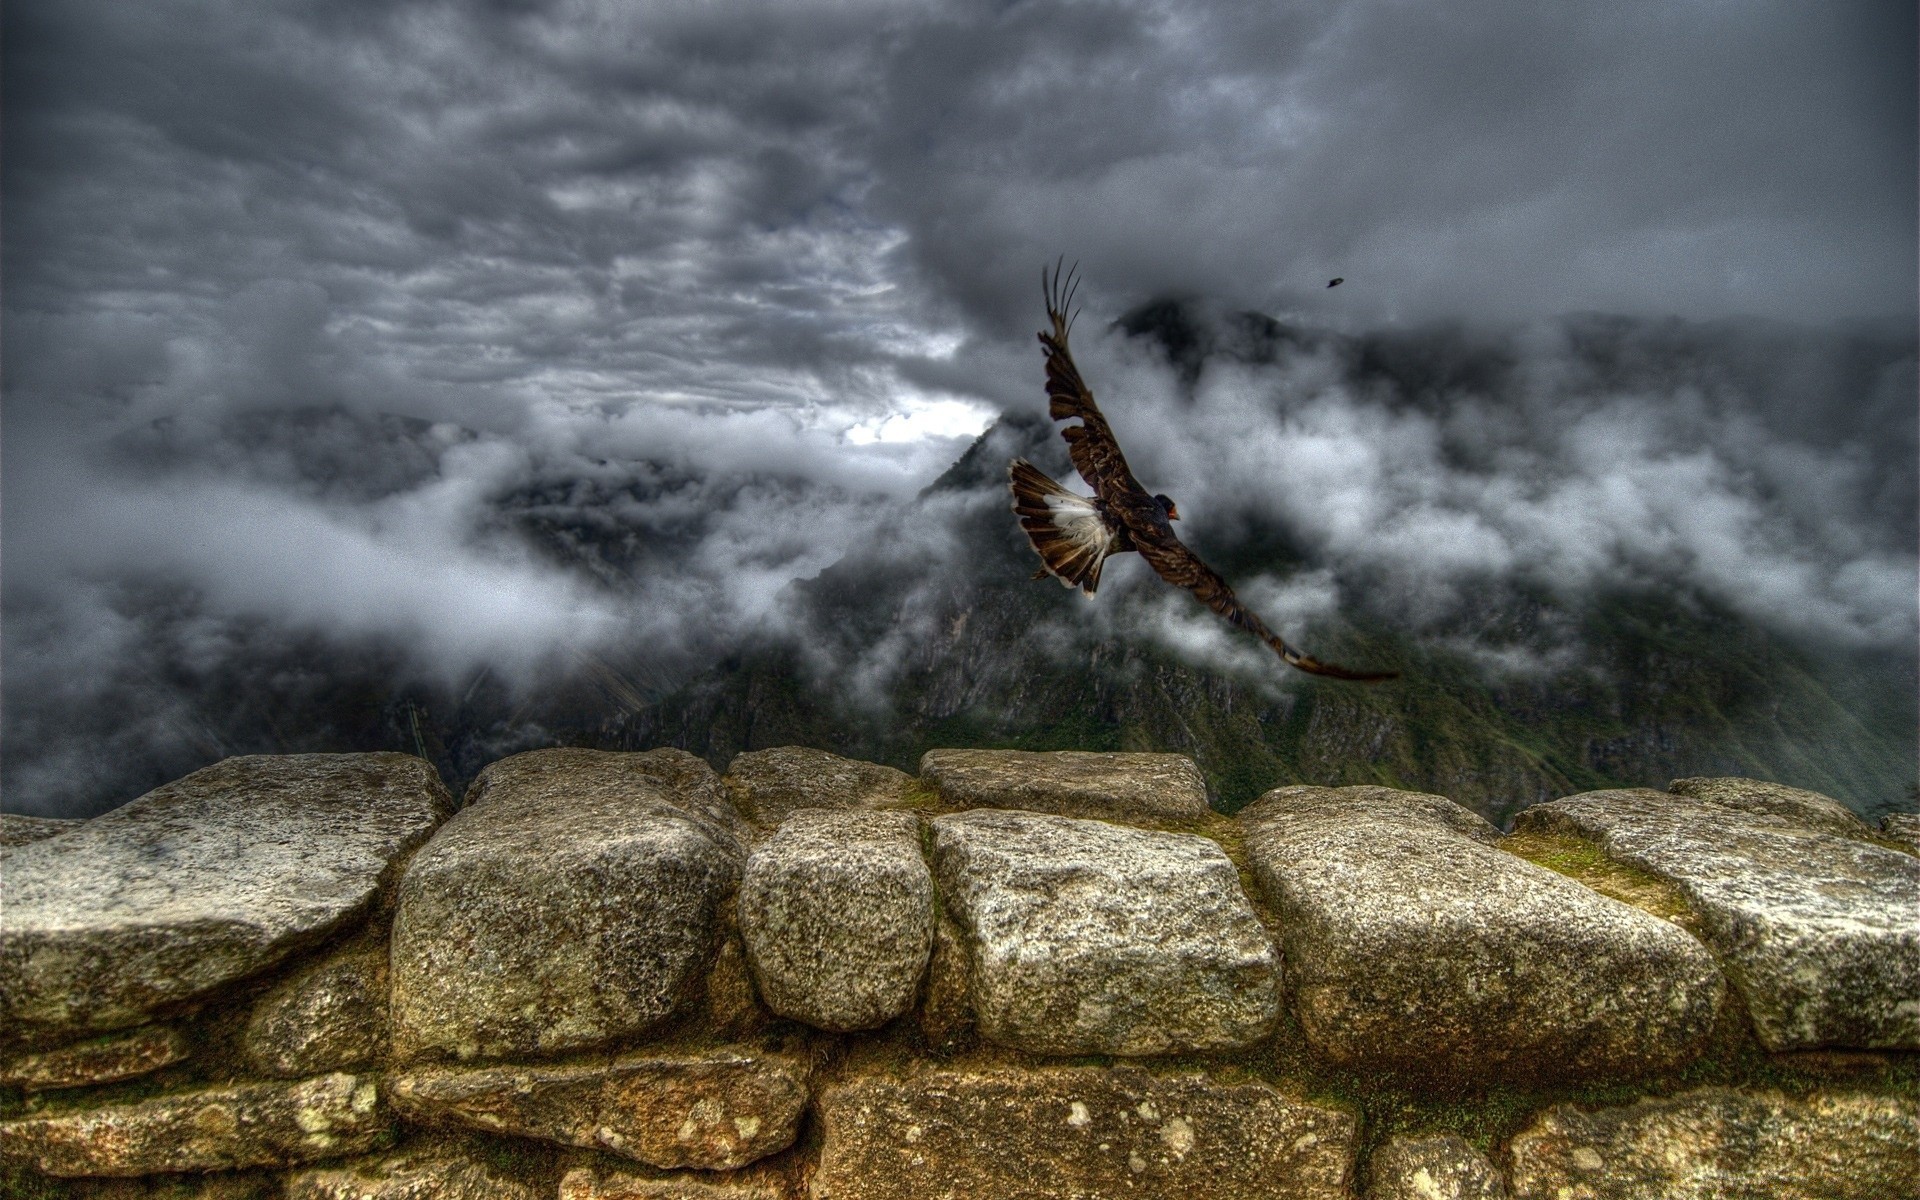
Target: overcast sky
x: 801, y: 242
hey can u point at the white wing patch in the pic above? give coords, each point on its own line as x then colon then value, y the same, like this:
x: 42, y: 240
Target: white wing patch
x: 1067, y: 530
x: 1078, y: 519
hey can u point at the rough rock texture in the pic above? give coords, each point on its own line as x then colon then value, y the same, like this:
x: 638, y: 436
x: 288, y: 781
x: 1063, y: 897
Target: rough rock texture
x: 573, y: 901
x: 1757, y: 797
x: 590, y: 1183
x: 427, y: 1175
x: 693, y: 784
x: 1417, y: 947
x: 327, y: 1015
x: 716, y: 1109
x: 97, y: 1060
x: 836, y: 910
x: 17, y: 829
x: 1070, y: 782
x: 205, y: 880
x: 248, y: 1185
x: 946, y: 1007
x: 1903, y: 828
x: 1820, y: 933
x: 221, y: 1129
x: 768, y: 786
x: 734, y: 1011
x: 1076, y: 1132
x: 1715, y: 1143
x: 1438, y: 1167
x: 1089, y: 938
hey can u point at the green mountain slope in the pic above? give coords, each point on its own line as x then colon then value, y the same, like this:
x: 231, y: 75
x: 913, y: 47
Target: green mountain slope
x: 1668, y: 686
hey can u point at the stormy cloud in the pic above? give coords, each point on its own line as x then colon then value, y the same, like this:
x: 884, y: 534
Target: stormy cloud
x: 475, y: 342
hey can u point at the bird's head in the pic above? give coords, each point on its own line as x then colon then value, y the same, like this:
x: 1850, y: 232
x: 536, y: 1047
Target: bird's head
x: 1167, y: 506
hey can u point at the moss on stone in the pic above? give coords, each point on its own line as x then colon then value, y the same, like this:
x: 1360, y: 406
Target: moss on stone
x: 19, y: 1183
x: 1586, y: 862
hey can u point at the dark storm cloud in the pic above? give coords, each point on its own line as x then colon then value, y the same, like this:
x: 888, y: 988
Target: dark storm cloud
x: 314, y: 311
x: 1486, y: 160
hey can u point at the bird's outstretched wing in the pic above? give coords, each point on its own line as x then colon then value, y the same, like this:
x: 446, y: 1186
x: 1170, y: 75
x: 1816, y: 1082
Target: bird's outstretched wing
x: 1095, y: 453
x: 1069, y: 532
x: 1181, y: 567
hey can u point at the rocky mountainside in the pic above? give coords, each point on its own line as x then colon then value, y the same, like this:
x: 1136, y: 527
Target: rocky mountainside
x: 626, y: 977
x: 933, y: 634
x: 1666, y: 685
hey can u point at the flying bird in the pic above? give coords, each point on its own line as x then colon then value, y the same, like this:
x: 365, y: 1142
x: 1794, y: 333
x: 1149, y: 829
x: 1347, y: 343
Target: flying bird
x: 1075, y: 535
x: 1337, y: 281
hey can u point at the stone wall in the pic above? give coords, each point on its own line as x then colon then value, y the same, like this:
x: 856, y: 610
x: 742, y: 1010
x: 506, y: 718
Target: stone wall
x: 1017, y: 975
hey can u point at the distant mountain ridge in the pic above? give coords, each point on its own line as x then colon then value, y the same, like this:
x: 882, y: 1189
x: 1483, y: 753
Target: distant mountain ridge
x: 934, y: 635
x: 1682, y: 690
x: 1666, y: 684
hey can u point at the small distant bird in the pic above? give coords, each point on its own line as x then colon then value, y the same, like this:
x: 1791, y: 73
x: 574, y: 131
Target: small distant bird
x: 1336, y: 281
x: 1074, y: 535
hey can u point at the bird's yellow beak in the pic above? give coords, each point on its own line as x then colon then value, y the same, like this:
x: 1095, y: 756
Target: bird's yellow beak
x: 1173, y: 512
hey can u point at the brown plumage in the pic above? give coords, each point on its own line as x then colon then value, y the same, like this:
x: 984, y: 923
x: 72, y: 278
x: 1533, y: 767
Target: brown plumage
x: 1074, y: 535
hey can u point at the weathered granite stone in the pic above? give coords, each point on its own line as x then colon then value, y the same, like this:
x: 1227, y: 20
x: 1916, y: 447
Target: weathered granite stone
x: 734, y: 1011
x: 693, y: 784
x: 1903, y: 828
x: 1756, y: 797
x: 1714, y: 1143
x: 248, y: 1185
x: 946, y: 1009
x: 716, y: 1109
x: 208, y: 879
x: 1076, y: 1132
x: 220, y: 1129
x: 770, y: 785
x: 17, y: 829
x: 573, y: 901
x: 418, y: 1175
x: 1090, y: 938
x: 1417, y: 948
x: 1070, y: 782
x: 1436, y: 1167
x: 836, y: 910
x: 327, y: 1015
x: 1820, y: 933
x: 105, y: 1059
x: 594, y: 1183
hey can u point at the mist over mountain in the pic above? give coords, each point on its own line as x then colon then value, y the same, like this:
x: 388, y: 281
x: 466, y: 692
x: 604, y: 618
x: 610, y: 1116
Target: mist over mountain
x: 462, y: 377
x: 1601, y: 551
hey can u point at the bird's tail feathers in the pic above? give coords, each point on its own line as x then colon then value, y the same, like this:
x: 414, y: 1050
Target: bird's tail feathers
x: 1297, y: 658
x: 1313, y: 666
x: 1067, y: 530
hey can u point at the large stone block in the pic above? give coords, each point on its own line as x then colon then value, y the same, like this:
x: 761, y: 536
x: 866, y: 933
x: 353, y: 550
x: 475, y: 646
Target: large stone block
x: 715, y: 1110
x: 211, y: 878
x: 1903, y: 828
x: 105, y: 1059
x: 412, y: 1175
x: 1791, y: 805
x: 836, y: 910
x: 328, y: 1015
x: 1820, y: 932
x: 768, y: 786
x: 1715, y: 1143
x: 226, y: 1185
x: 573, y: 901
x: 1076, y: 1132
x: 219, y: 1129
x: 598, y: 1183
x: 1416, y: 946
x: 1434, y: 1167
x: 1070, y: 782
x: 17, y: 829
x: 1090, y: 938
